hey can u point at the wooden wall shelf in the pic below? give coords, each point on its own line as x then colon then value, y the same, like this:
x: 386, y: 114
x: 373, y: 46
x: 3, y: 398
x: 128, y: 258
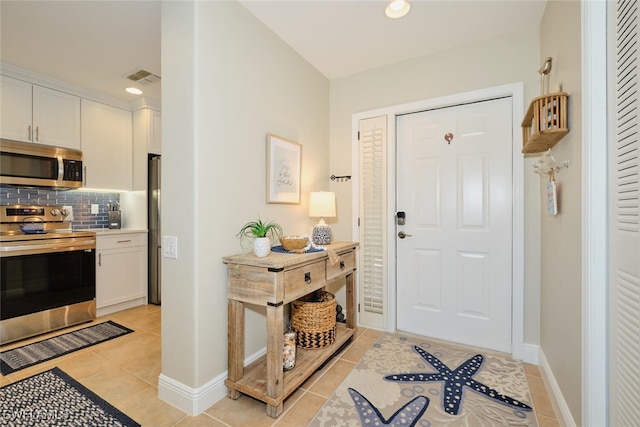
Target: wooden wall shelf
x: 545, y: 122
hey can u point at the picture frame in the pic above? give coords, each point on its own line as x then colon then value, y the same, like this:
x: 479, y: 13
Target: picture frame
x: 284, y: 164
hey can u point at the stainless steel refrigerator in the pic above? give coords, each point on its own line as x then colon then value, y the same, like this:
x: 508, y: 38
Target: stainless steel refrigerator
x: 153, y: 209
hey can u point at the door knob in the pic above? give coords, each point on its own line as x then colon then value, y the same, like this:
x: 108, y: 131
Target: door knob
x: 402, y: 235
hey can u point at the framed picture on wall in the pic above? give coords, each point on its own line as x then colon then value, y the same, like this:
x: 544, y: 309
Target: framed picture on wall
x: 284, y: 159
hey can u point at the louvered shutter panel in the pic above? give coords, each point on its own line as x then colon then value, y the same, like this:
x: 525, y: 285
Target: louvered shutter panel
x: 624, y: 354
x: 627, y: 115
x: 372, y: 270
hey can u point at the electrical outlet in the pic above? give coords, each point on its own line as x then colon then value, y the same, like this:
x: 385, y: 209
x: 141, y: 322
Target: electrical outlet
x: 95, y: 208
x: 170, y: 247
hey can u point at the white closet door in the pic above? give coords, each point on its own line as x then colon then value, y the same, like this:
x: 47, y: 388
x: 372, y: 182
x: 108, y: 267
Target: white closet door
x: 372, y: 271
x: 624, y: 228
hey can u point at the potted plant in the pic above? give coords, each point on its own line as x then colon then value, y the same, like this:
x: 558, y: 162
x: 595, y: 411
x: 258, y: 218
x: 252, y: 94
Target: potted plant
x: 260, y: 232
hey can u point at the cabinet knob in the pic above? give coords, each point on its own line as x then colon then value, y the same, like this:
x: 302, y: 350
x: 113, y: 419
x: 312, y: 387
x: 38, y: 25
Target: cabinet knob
x: 342, y: 265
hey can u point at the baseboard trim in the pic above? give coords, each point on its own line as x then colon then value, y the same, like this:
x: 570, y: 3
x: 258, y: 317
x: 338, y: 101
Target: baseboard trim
x: 195, y: 401
x: 103, y: 311
x: 531, y: 353
x: 555, y: 394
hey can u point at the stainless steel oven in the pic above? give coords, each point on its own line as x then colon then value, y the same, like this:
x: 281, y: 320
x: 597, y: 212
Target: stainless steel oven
x: 47, y: 272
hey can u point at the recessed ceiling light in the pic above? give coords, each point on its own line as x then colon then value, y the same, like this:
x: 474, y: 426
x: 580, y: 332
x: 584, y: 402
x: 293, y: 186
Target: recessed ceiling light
x: 397, y: 9
x: 134, y: 90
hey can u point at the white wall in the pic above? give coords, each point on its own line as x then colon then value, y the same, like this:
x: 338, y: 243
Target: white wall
x: 227, y: 82
x: 561, y: 265
x: 503, y: 60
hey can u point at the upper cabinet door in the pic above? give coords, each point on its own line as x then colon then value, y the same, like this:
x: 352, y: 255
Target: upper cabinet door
x: 15, y: 109
x: 32, y: 113
x: 155, y: 129
x: 146, y: 140
x: 107, y: 147
x: 56, y: 118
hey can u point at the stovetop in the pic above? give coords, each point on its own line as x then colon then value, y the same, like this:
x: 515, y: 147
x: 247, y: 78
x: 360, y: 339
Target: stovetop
x: 31, y: 222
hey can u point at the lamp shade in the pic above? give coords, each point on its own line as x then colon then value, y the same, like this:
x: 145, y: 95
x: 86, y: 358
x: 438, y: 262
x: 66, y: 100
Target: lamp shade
x: 322, y: 204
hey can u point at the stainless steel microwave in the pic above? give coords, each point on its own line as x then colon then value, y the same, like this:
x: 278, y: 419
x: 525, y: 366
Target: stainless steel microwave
x: 28, y: 164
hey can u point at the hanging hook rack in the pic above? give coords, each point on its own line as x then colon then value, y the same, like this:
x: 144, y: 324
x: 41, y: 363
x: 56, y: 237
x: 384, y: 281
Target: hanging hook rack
x: 340, y: 178
x: 547, y: 164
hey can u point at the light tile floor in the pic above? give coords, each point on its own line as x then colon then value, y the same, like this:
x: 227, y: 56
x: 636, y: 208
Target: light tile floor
x: 125, y: 372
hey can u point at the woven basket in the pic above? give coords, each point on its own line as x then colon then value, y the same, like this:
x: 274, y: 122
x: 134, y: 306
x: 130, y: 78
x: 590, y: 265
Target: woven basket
x: 314, y: 322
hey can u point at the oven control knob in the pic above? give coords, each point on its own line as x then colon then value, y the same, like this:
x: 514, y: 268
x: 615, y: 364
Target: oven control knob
x: 64, y: 212
x: 55, y: 212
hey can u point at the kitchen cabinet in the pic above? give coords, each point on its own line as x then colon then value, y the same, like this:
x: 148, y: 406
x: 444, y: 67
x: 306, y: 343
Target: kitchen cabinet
x: 121, y: 271
x: 146, y: 129
x: 107, y: 146
x: 272, y: 282
x: 146, y: 140
x: 33, y: 113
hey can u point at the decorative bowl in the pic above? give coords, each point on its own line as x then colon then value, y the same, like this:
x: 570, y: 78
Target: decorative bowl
x: 292, y: 243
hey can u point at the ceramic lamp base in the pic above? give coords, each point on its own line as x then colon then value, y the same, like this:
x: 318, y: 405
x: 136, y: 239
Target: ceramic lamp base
x: 321, y: 235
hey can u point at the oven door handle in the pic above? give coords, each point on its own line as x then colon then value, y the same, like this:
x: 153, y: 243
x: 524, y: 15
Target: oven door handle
x: 9, y: 250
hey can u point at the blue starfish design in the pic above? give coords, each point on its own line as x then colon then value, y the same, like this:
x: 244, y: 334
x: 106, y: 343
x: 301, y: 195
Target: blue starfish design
x: 455, y: 381
x: 407, y: 416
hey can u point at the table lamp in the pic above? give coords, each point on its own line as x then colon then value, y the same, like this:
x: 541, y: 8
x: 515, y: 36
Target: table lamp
x: 322, y: 204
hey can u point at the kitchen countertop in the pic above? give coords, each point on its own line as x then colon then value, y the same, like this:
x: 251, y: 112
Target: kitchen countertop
x: 109, y: 231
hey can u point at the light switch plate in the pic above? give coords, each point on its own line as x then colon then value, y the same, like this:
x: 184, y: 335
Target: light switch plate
x: 170, y: 247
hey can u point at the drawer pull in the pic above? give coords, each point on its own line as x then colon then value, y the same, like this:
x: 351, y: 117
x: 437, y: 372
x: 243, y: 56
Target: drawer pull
x: 124, y: 241
x: 342, y: 265
x: 307, y: 277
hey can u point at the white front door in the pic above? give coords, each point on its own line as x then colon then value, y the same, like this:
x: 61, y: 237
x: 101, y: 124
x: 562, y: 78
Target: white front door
x: 454, y: 185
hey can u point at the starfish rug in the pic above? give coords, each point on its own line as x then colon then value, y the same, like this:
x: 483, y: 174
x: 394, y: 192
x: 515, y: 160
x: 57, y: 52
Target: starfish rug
x: 413, y: 381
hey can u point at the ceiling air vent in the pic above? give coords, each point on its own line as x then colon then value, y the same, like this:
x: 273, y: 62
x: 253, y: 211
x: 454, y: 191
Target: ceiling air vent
x: 143, y: 77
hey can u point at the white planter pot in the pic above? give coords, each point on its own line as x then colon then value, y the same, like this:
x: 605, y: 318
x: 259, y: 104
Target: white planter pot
x: 262, y: 246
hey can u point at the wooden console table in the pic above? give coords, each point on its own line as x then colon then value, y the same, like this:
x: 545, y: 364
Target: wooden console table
x: 272, y: 282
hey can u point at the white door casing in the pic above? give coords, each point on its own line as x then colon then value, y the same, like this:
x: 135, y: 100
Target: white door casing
x: 596, y: 30
x: 516, y: 92
x: 454, y: 185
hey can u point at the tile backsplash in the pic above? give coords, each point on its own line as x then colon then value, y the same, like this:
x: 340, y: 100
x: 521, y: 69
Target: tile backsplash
x: 81, y: 202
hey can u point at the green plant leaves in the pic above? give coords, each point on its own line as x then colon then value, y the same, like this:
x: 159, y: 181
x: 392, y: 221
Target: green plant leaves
x: 259, y: 228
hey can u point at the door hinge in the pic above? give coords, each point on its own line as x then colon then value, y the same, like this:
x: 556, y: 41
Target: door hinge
x: 358, y: 307
x: 358, y: 221
x: 358, y: 135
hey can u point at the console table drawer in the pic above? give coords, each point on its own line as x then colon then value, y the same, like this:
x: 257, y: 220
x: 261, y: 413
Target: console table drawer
x: 346, y: 264
x: 302, y: 280
x: 253, y: 284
